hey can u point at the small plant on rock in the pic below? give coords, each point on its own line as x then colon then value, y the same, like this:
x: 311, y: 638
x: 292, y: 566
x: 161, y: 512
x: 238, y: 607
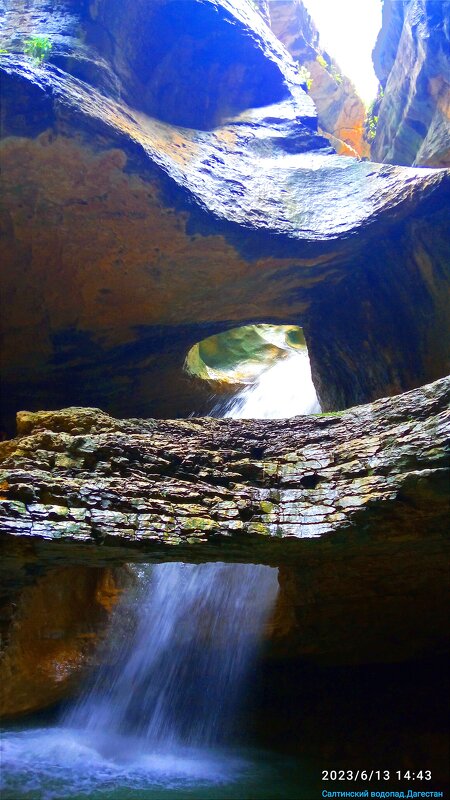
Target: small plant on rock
x: 38, y: 48
x: 335, y: 74
x: 371, y: 120
x: 330, y: 68
x: 305, y: 75
x: 370, y: 125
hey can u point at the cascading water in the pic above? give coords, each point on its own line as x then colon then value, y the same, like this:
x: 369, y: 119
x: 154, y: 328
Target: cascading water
x: 283, y: 390
x: 157, y: 717
x: 176, y: 674
x: 156, y: 720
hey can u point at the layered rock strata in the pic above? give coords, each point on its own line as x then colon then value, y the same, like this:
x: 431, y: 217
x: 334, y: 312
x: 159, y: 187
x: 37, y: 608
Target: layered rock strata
x: 79, y: 476
x: 351, y: 507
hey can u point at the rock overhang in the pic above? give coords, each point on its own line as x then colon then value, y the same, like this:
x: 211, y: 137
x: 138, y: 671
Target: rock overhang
x: 253, y: 221
x: 352, y: 508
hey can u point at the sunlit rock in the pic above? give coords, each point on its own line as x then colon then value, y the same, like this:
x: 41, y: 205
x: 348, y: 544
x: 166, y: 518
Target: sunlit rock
x: 340, y: 111
x: 238, y: 356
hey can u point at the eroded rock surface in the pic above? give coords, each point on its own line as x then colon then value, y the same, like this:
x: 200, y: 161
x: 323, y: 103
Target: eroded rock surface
x: 78, y: 476
x: 411, y: 59
x: 351, y: 507
x: 51, y: 632
x: 80, y: 485
x: 137, y: 237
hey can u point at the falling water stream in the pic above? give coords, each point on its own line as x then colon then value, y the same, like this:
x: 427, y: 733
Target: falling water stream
x: 285, y: 389
x: 158, y: 718
x: 177, y: 673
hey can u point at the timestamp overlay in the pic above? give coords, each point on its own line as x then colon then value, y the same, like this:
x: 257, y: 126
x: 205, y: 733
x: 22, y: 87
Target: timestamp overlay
x: 380, y: 784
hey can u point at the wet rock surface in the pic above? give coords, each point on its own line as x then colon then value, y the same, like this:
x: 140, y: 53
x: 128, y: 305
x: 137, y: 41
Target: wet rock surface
x: 158, y: 189
x: 411, y: 59
x: 50, y: 631
x: 136, y: 237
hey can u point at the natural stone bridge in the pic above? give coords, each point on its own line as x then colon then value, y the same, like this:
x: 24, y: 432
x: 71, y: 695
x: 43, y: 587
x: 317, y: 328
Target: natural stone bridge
x: 155, y: 191
x: 182, y: 488
x: 347, y: 505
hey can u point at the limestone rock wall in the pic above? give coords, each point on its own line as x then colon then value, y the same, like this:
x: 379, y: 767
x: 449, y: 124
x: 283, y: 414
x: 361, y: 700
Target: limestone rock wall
x: 51, y: 628
x: 352, y: 508
x: 67, y: 477
x: 127, y: 238
x: 411, y: 59
x: 340, y: 111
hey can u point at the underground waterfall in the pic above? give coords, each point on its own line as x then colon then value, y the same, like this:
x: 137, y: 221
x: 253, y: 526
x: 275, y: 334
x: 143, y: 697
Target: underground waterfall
x: 177, y: 673
x: 224, y: 462
x: 285, y: 389
x: 161, y: 712
x: 158, y: 714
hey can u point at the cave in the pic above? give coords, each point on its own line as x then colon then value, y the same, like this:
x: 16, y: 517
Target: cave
x: 224, y: 460
x: 253, y: 372
x: 334, y: 656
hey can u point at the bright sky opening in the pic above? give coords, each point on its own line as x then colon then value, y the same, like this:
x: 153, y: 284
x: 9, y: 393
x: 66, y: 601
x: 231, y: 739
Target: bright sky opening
x: 348, y: 30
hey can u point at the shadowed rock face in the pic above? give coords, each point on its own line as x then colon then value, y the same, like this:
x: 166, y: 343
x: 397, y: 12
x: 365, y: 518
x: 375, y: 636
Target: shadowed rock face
x: 51, y: 631
x: 136, y: 238
x: 411, y: 59
x: 175, y: 61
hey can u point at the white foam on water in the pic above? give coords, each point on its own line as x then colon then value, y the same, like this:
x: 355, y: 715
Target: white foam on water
x: 57, y: 762
x: 158, y: 714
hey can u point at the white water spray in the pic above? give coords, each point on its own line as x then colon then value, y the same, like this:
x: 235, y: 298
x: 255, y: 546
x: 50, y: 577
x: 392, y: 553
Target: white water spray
x: 283, y: 390
x: 156, y: 718
x: 180, y: 647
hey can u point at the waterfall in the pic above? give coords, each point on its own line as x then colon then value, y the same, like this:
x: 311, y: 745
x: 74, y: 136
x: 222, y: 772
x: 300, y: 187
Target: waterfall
x: 158, y: 718
x: 180, y: 646
x: 283, y: 390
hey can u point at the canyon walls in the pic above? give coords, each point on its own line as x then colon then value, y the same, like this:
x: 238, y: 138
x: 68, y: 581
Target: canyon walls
x: 164, y: 179
x: 341, y: 112
x: 411, y: 59
x: 136, y: 237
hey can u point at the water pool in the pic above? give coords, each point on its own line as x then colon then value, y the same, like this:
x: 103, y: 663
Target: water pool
x: 55, y: 763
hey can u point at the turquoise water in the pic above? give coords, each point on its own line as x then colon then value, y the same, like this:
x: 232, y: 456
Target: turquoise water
x: 54, y: 763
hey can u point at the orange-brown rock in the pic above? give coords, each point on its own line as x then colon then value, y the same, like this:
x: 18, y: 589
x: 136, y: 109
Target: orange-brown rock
x: 341, y: 112
x: 144, y: 210
x: 55, y: 625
